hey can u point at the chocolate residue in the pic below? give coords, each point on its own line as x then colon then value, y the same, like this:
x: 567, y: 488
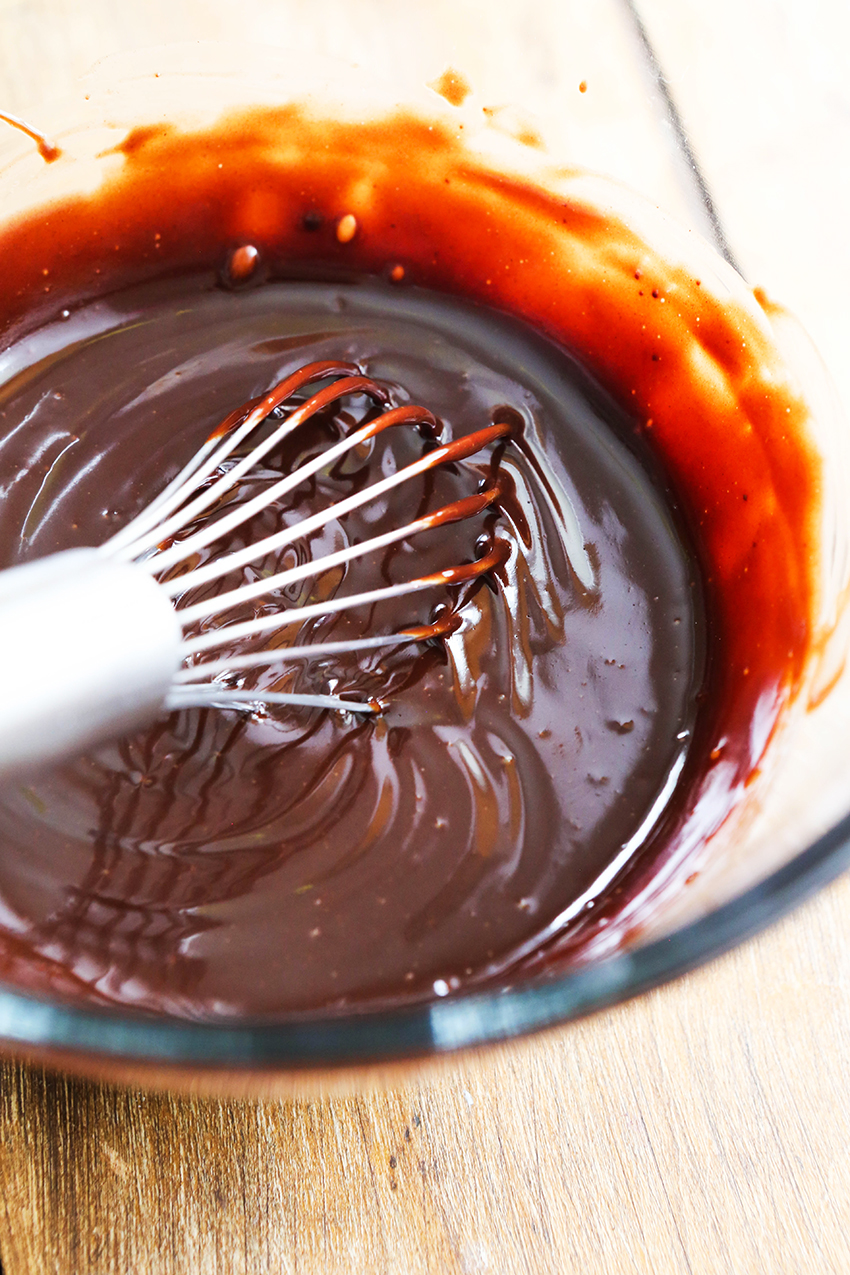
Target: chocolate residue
x: 233, y: 864
x: 452, y: 86
x: 134, y: 875
x: 46, y: 149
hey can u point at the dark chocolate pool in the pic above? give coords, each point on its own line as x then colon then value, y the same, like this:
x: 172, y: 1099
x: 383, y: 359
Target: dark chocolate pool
x: 226, y: 864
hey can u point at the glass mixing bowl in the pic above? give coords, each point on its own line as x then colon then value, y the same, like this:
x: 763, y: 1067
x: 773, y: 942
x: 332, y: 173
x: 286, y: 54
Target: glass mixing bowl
x: 792, y: 831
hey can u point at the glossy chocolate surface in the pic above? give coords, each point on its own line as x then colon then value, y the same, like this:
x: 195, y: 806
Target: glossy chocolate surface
x: 181, y: 871
x: 231, y: 864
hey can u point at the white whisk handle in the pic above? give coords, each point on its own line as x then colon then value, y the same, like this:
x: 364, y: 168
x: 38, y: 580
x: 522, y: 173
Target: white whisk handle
x: 88, y: 648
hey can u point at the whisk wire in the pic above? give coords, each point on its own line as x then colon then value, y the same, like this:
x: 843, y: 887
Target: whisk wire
x: 153, y: 538
x: 229, y: 522
x: 271, y: 655
x: 193, y: 510
x: 247, y: 592
x: 236, y: 426
x: 332, y: 606
x: 460, y: 449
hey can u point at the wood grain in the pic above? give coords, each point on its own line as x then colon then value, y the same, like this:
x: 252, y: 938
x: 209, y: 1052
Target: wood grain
x: 704, y: 1128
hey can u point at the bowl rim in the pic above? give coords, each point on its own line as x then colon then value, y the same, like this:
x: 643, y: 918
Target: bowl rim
x: 333, y: 1040
x: 337, y: 1039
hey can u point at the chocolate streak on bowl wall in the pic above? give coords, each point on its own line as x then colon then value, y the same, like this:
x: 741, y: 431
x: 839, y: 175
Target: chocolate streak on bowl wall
x: 696, y: 375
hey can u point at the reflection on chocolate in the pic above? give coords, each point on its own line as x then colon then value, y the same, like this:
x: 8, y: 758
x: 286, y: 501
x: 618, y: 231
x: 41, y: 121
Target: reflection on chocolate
x: 600, y: 710
x: 227, y: 864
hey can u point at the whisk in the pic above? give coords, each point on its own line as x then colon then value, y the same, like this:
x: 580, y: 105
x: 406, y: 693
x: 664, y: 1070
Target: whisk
x: 94, y: 642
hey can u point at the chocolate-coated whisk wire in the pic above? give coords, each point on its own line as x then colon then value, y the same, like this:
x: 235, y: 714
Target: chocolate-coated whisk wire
x: 169, y: 533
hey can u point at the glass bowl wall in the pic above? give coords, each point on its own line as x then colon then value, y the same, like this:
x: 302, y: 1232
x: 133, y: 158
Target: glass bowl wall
x: 792, y: 832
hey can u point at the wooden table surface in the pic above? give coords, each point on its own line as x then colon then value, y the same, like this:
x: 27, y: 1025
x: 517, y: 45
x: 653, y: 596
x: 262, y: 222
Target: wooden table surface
x: 703, y: 1128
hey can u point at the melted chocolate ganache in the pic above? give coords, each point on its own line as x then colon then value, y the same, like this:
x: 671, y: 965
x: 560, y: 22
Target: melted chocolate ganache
x: 550, y: 769
x: 226, y: 863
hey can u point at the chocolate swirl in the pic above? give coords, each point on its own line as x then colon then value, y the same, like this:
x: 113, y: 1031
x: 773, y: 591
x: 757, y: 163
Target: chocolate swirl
x: 222, y: 865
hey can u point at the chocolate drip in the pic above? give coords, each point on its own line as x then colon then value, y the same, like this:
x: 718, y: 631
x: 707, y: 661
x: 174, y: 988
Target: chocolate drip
x: 46, y: 149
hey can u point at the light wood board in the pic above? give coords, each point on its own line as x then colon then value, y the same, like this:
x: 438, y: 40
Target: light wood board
x: 704, y: 1128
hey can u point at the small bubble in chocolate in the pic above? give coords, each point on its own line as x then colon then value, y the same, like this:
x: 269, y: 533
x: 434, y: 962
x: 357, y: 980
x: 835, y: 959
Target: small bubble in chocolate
x: 243, y: 262
x: 346, y: 228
